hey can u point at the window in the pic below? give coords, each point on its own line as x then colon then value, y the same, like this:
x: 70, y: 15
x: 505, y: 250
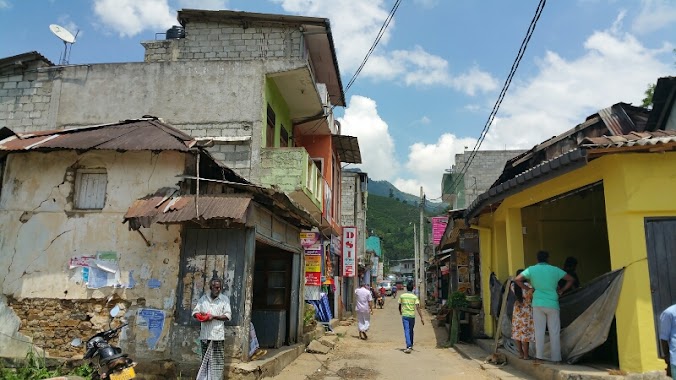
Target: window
x: 283, y: 137
x: 270, y: 130
x: 90, y: 189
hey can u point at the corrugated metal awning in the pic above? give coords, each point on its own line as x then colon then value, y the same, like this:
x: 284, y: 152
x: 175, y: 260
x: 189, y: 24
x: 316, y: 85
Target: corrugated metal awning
x: 169, y: 209
x: 348, y: 148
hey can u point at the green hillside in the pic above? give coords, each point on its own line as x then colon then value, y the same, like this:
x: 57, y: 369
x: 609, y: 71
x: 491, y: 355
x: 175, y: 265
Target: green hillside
x: 391, y: 220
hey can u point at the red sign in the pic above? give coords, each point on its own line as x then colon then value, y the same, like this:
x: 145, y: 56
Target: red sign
x: 438, y: 228
x: 349, y: 251
x: 313, y: 278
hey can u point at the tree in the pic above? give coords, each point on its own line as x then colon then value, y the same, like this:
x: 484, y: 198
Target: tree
x: 649, y: 92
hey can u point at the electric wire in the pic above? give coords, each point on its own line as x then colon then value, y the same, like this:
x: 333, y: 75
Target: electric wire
x: 501, y: 96
x: 379, y: 36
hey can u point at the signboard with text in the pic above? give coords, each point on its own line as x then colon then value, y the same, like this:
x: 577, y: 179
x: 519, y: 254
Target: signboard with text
x: 349, y: 251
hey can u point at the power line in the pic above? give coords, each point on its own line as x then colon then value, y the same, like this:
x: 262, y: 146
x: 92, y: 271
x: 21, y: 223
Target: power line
x: 503, y: 92
x: 379, y: 36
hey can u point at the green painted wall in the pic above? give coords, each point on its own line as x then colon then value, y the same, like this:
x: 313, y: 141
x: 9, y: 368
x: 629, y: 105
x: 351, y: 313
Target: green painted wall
x: 274, y: 98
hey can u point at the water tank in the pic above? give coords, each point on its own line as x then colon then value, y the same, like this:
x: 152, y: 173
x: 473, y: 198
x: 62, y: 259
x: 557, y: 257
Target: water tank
x: 175, y: 32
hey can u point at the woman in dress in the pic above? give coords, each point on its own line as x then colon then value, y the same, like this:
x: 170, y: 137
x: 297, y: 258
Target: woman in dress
x: 523, y: 331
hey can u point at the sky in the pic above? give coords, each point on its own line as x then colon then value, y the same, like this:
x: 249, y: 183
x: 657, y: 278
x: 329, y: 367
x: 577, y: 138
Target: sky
x: 426, y: 92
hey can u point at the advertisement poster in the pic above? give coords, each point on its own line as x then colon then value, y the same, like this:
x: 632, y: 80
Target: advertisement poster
x: 313, y: 279
x: 312, y: 245
x: 349, y: 251
x: 438, y: 228
x: 153, y: 321
x: 313, y: 263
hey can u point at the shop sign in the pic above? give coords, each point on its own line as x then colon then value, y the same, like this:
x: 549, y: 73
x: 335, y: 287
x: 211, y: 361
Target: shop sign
x: 349, y: 251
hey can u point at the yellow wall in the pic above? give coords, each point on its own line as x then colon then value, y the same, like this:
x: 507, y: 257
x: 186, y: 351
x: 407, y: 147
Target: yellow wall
x: 635, y: 187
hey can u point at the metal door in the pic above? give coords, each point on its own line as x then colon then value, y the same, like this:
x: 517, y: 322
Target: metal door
x: 209, y: 253
x: 661, y: 242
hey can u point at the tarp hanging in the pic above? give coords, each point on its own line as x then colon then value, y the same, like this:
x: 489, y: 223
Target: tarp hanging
x: 586, y: 316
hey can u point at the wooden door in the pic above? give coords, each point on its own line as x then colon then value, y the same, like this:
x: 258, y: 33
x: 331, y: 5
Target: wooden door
x: 661, y: 244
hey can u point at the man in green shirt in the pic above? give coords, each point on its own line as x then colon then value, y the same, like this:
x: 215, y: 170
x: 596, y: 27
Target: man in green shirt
x: 545, y: 279
x: 408, y: 304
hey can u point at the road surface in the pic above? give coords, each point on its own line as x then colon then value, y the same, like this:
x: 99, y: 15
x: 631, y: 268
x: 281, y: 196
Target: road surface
x: 382, y: 355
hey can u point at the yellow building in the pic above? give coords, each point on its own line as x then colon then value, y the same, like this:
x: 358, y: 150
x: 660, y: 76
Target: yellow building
x: 602, y: 192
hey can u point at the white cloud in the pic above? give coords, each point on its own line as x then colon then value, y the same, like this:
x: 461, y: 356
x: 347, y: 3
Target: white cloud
x: 128, y: 18
x: 428, y: 161
x: 203, y: 4
x: 614, y: 68
x: 361, y: 119
x: 654, y: 15
x: 424, y: 120
x: 5, y: 4
x: 355, y: 25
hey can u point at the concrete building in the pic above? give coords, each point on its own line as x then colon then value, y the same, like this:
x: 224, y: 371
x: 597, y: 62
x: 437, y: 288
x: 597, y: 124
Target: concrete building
x: 256, y: 90
x: 460, y: 190
x: 354, y: 194
x: 95, y: 217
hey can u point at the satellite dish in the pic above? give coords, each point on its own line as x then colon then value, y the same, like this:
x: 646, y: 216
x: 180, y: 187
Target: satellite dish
x: 67, y: 38
x: 62, y: 33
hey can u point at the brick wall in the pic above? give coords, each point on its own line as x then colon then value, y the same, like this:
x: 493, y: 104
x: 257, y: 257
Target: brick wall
x: 225, y: 41
x: 25, y: 95
x: 485, y: 168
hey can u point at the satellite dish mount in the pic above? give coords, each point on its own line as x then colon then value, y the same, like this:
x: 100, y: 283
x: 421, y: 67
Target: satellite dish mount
x: 68, y: 39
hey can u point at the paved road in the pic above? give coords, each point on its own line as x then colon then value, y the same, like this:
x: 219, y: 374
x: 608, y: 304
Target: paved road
x: 382, y: 356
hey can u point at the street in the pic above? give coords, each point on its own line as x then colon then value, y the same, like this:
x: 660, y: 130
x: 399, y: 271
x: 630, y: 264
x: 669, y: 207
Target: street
x: 382, y: 355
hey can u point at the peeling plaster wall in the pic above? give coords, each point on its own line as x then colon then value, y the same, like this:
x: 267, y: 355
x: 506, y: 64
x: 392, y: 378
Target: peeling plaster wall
x: 41, y: 232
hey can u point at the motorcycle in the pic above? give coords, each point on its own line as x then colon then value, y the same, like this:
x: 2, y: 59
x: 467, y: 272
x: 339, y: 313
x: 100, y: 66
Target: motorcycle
x: 107, y: 361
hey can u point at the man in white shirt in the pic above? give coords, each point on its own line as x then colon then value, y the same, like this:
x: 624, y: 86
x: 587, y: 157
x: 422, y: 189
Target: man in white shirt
x: 212, y: 310
x: 364, y: 310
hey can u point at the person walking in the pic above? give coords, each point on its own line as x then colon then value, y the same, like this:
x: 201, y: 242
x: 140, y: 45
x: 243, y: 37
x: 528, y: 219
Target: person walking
x: 408, y: 304
x: 364, y: 309
x: 668, y: 338
x: 212, y: 310
x: 522, y: 318
x: 544, y: 278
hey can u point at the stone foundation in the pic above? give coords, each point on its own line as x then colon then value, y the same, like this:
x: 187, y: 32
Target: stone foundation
x: 53, y: 324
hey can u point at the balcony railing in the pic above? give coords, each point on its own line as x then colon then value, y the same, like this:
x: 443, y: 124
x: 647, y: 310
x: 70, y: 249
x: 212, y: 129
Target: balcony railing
x: 292, y: 171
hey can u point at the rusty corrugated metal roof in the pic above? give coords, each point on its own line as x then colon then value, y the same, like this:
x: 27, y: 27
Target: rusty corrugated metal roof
x: 633, y: 139
x: 138, y: 134
x: 177, y: 209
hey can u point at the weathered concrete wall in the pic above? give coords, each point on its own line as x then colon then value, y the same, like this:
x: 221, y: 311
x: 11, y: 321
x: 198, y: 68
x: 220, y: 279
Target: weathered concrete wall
x: 211, y: 40
x: 25, y: 97
x: 41, y: 232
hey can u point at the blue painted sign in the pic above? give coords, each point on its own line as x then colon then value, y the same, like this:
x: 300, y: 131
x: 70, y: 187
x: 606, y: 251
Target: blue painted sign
x: 153, y: 320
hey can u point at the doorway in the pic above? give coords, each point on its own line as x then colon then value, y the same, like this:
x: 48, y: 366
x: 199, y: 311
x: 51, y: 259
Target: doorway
x: 274, y: 310
x: 661, y: 244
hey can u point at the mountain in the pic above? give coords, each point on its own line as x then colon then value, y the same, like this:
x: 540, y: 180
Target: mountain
x: 392, y: 220
x: 386, y: 189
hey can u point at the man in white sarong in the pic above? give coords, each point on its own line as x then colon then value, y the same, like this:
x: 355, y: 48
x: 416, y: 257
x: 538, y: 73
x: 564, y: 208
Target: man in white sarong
x: 364, y: 309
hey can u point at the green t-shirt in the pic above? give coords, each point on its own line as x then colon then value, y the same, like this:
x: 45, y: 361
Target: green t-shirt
x: 408, y: 302
x: 544, y: 278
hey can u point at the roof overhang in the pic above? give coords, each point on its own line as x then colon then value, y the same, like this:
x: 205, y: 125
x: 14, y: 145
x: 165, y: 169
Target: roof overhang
x: 298, y: 89
x: 347, y: 148
x: 184, y: 208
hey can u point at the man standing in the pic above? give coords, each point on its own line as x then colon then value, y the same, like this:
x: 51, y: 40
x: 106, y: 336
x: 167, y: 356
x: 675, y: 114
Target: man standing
x: 668, y: 338
x: 212, y: 310
x: 408, y: 304
x: 364, y: 309
x: 544, y: 278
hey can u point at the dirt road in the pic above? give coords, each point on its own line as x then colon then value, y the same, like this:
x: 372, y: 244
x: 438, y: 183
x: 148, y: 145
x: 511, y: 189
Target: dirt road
x: 382, y: 356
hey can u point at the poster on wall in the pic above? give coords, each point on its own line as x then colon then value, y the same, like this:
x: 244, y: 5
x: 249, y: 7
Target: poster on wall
x: 313, y: 275
x: 349, y: 251
x: 153, y: 321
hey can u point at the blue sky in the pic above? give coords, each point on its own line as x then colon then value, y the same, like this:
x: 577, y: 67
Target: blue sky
x: 426, y: 92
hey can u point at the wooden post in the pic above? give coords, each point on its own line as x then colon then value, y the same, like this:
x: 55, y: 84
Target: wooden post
x: 503, y: 312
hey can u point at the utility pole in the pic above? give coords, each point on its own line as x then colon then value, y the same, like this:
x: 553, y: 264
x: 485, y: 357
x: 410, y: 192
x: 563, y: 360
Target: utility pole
x: 415, y: 261
x: 421, y: 292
